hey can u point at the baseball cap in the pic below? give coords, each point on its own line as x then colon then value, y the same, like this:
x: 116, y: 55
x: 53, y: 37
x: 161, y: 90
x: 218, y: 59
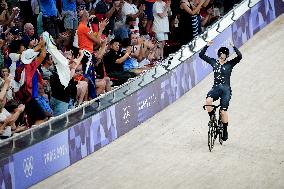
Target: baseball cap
x: 15, y: 31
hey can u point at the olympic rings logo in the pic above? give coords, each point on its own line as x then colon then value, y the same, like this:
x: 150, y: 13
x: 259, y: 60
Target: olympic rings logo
x: 28, y: 166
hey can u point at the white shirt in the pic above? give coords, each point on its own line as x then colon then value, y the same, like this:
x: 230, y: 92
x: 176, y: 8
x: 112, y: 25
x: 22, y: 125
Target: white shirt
x: 61, y: 63
x: 4, y: 114
x: 14, y: 57
x: 160, y: 25
x: 129, y: 9
x: 75, y: 42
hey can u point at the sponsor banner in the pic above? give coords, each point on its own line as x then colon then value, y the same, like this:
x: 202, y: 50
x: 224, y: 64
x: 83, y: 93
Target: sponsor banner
x: 279, y: 7
x: 55, y: 153
x: 7, y: 173
x: 255, y: 19
x: 147, y: 101
x: 241, y: 29
x: 126, y: 114
x: 178, y: 82
x: 104, y: 128
x: 41, y: 160
x: 79, y: 140
x: 167, y: 97
x: 261, y: 15
x: 28, y: 166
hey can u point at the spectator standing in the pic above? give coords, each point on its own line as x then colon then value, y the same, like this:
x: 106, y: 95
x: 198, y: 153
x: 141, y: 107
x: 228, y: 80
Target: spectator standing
x: 130, y: 9
x: 208, y: 16
x: 190, y: 20
x: 26, y: 13
x: 142, y: 25
x: 161, y: 22
x: 149, y: 12
x: 36, y: 9
x: 86, y: 38
x: 49, y: 17
x: 5, y: 17
x: 86, y: 41
x: 69, y: 13
x: 124, y: 30
x: 106, y: 9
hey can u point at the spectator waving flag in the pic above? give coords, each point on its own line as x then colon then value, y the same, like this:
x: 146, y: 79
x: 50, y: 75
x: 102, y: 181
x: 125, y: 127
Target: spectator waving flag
x: 60, y: 61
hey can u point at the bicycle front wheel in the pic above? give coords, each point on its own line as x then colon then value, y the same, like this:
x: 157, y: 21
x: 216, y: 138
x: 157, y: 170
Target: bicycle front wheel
x: 210, y: 137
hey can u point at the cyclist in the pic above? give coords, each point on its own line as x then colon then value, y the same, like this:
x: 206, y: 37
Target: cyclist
x: 222, y: 69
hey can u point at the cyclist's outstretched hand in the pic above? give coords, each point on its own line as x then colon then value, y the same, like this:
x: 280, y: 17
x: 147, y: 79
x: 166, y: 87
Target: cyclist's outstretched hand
x: 209, y: 43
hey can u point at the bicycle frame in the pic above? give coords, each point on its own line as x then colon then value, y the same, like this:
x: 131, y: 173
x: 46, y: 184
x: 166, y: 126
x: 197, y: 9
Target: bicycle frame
x: 215, y: 128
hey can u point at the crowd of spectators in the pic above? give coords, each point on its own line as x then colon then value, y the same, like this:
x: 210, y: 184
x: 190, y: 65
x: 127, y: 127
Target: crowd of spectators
x: 58, y: 54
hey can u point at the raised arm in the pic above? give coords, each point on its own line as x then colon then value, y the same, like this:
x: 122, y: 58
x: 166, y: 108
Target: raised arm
x: 237, y: 59
x: 163, y: 13
x: 185, y: 6
x: 124, y: 57
x: 239, y: 54
x: 203, y: 51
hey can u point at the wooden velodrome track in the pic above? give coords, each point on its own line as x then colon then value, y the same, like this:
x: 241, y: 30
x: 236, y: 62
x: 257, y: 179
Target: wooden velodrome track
x: 170, y: 150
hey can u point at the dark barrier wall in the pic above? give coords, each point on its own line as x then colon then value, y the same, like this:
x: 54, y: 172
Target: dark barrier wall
x: 41, y: 160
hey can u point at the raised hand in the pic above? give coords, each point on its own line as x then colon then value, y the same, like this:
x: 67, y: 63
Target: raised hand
x: 92, y: 16
x: 21, y: 108
x: 103, y: 24
x: 16, y: 10
x: 41, y: 43
x: 232, y: 44
x: 104, y: 42
x: 141, y: 8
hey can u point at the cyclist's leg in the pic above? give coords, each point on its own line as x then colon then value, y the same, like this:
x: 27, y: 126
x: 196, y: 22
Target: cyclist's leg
x: 209, y: 101
x: 224, y: 116
x: 212, y: 96
x: 224, y: 103
x: 225, y: 99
